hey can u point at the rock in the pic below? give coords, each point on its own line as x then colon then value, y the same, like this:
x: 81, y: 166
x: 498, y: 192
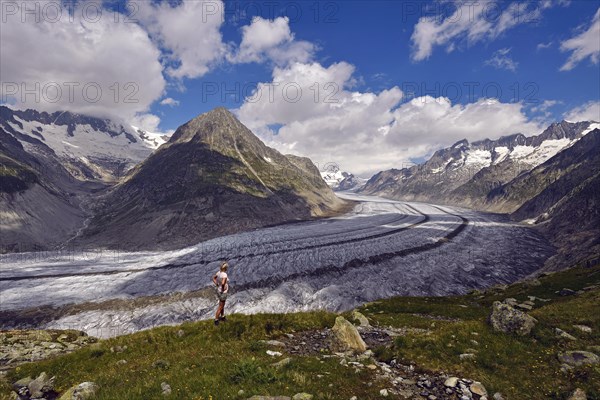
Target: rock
x: 362, y: 320
x: 478, y: 388
x: 282, y: 363
x: 578, y: 358
x: 180, y: 333
x: 583, y: 328
x: 121, y: 362
x: 274, y: 343
x: 83, y: 391
x: 372, y: 366
x: 269, y: 398
x: 510, y: 301
x: 451, y: 382
x: 241, y: 392
x: 162, y: 364
x: 563, y: 335
x: 166, y: 389
x: 41, y: 386
x: 274, y: 353
x: 498, y: 396
x: 348, y: 335
x: 566, y: 292
x: 384, y: 392
x: 524, y: 306
x: 578, y: 394
x: 467, y: 356
x: 353, y: 398
x: 302, y: 396
x: 507, y: 319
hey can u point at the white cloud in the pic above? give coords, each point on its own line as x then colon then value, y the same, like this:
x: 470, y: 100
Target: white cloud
x: 501, y: 60
x: 271, y: 40
x: 83, y: 54
x: 589, y: 111
x: 544, y: 46
x: 472, y: 22
x: 584, y: 45
x: 544, y: 107
x: 169, y: 102
x: 189, y: 32
x: 365, y: 132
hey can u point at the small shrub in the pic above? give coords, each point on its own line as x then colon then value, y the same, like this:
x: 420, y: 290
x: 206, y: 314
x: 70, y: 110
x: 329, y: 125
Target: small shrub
x: 249, y: 371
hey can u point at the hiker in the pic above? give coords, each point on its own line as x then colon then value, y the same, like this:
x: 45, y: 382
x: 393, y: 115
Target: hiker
x: 221, y: 281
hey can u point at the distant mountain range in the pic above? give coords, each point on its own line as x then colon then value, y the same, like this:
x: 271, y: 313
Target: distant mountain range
x: 550, y: 180
x: 74, y: 180
x: 339, y: 180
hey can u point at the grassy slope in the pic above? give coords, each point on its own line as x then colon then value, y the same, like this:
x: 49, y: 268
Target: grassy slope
x: 218, y: 362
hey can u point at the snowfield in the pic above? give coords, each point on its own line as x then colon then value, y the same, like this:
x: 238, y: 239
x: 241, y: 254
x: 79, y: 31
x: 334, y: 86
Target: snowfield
x: 383, y: 248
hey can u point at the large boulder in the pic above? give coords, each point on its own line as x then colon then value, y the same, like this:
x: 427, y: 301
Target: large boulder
x: 507, y: 319
x: 348, y: 336
x: 577, y: 358
x: 83, y: 391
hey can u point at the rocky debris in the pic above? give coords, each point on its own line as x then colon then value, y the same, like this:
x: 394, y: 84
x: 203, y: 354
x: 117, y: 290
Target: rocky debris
x: 578, y: 358
x: 166, y: 389
x: 578, y: 394
x: 360, y: 318
x: 273, y: 343
x: 566, y: 292
x: 180, y: 333
x: 282, y: 363
x: 384, y: 392
x: 302, y: 396
x: 161, y: 364
x: 451, y: 382
x: 498, y: 396
x: 563, y: 335
x: 269, y: 398
x: 274, y: 353
x: 348, y: 335
x: 83, y: 391
x: 41, y: 387
x: 21, y: 346
x: 510, y: 301
x: 118, y: 349
x: 467, y: 356
x: 583, y: 328
x: 507, y: 319
x: 478, y: 389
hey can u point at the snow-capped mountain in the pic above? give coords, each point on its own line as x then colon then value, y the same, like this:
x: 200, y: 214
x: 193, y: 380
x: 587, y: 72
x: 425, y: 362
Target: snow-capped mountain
x: 466, y: 172
x: 213, y: 177
x: 92, y: 148
x: 340, y: 180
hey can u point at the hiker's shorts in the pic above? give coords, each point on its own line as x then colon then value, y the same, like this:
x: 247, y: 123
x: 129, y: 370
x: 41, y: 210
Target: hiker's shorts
x: 222, y: 296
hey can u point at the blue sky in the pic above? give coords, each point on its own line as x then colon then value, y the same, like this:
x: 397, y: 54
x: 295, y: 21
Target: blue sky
x: 369, y: 85
x: 375, y: 37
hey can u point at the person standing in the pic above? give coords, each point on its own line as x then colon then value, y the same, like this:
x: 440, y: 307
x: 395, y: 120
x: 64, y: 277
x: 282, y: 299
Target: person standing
x: 221, y: 281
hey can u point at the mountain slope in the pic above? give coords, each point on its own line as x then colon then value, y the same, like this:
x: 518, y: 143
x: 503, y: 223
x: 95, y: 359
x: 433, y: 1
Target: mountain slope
x: 563, y: 197
x: 39, y: 198
x: 212, y: 178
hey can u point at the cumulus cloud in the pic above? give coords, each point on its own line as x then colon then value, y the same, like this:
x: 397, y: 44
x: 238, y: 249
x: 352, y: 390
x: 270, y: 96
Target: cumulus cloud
x: 472, y: 22
x: 589, y: 111
x: 365, y: 132
x: 271, y: 40
x: 502, y: 60
x: 169, y: 102
x: 189, y: 33
x: 584, y: 45
x: 64, y: 62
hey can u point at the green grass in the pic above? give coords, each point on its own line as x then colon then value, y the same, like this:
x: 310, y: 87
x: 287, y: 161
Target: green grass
x: 219, y: 361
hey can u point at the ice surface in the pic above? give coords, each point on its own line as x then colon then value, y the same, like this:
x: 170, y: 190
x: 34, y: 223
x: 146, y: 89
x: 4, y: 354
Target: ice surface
x: 382, y: 248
